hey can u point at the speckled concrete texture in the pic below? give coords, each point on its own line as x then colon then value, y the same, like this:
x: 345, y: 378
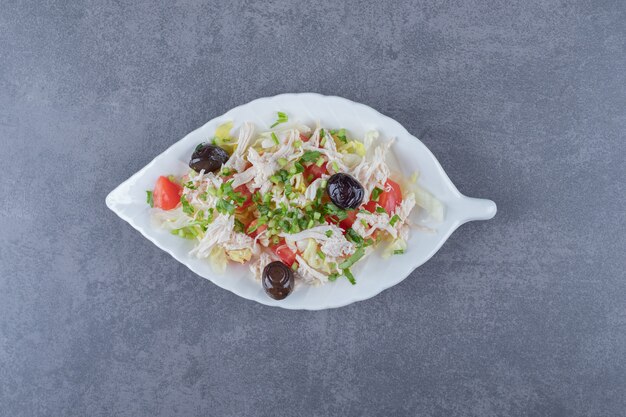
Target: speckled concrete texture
x: 522, y: 102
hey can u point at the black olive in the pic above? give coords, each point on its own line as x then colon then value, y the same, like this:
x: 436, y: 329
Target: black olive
x: 345, y: 191
x: 209, y: 158
x: 277, y: 280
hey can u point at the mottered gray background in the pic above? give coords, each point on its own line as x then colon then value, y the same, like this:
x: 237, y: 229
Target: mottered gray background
x: 522, y: 102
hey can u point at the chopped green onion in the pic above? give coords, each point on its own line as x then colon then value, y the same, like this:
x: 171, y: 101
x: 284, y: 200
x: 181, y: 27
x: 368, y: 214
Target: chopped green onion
x: 282, y: 161
x: 333, y: 210
x: 297, y: 143
x: 323, y: 141
x: 333, y: 277
x: 187, y: 207
x: 239, y: 227
x: 253, y: 227
x: 353, y: 236
x: 394, y: 220
x: 398, y: 251
x: 225, y: 207
x: 295, y: 266
x: 321, y: 255
x: 380, y: 210
x: 209, y: 218
x: 282, y: 118
x: 319, y: 162
x: 328, y: 233
x: 340, y: 134
x: 317, y: 216
x: 352, y: 259
x: 189, y: 184
x: 335, y: 166
x: 376, y: 192
x: 348, y: 274
x: 275, y: 138
x: 149, y: 198
x: 310, y: 156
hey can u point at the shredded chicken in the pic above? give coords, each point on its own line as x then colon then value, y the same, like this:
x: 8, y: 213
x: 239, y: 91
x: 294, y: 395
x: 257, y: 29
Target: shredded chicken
x: 308, y: 273
x: 373, y: 172
x: 314, y: 140
x: 266, y: 165
x: 259, y: 264
x: 239, y: 241
x: 329, y: 150
x: 374, y: 221
x: 403, y: 232
x: 336, y: 245
x: 218, y: 232
x: 199, y: 185
x: 406, y: 206
x: 311, y: 191
x: 237, y: 159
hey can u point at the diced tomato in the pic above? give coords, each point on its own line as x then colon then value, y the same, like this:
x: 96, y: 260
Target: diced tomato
x: 285, y: 254
x: 243, y: 190
x: 371, y: 206
x: 166, y: 194
x: 314, y: 172
x: 304, y: 138
x: 390, y: 197
x: 258, y: 230
x: 347, y: 223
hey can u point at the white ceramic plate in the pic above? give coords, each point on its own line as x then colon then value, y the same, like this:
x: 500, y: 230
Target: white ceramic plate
x: 373, y: 274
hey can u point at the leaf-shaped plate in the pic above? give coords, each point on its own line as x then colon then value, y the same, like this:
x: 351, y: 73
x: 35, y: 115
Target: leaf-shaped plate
x: 373, y: 274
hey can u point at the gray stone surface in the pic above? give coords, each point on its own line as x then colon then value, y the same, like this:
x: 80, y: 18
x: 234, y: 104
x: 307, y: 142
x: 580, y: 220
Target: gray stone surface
x: 523, y: 315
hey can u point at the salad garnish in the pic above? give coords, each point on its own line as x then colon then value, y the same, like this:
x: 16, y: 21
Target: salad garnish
x: 298, y: 205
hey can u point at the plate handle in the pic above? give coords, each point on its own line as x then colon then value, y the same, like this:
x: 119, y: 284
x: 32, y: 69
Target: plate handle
x: 479, y: 209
